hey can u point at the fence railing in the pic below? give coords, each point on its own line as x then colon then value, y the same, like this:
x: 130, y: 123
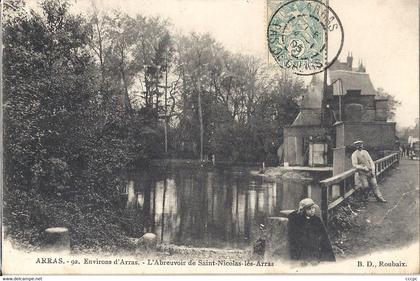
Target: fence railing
x: 382, y: 165
x: 345, y: 183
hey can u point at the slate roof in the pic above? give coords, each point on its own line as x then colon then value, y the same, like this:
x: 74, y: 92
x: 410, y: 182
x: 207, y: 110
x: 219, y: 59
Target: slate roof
x: 308, y: 117
x: 353, y: 80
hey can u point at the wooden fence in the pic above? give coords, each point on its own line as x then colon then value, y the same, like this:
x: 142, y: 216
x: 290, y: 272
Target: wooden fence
x: 346, y: 183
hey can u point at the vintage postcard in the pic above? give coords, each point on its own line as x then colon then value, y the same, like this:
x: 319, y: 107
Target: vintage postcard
x: 204, y: 137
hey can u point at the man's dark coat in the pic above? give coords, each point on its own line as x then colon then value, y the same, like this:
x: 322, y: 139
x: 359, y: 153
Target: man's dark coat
x: 308, y: 239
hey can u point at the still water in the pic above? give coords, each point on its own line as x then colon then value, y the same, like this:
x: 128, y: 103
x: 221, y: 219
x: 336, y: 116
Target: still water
x: 209, y: 207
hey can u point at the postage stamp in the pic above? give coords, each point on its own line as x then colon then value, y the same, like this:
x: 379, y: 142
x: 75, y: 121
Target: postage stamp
x: 299, y: 35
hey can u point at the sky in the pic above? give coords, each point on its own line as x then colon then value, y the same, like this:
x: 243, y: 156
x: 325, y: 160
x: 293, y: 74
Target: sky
x: 382, y: 33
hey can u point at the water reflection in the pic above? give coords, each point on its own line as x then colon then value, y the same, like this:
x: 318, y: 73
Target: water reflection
x: 209, y: 207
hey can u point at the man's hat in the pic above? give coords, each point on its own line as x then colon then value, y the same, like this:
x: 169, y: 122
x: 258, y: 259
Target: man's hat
x: 358, y: 142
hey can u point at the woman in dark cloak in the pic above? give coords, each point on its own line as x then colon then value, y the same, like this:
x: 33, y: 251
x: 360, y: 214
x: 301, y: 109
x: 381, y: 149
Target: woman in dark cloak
x: 308, y: 238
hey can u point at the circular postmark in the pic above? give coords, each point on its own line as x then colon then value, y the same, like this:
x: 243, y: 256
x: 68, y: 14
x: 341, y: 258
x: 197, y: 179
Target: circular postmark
x: 303, y: 34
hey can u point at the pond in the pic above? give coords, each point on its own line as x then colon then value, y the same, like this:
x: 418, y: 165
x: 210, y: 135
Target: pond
x: 209, y: 207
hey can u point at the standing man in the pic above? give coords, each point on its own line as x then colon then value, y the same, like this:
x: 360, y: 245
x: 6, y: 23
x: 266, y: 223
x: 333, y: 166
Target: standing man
x: 365, y: 166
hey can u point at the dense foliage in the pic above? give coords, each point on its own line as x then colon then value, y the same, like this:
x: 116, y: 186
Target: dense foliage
x: 232, y: 106
x: 89, y: 97
x: 67, y: 139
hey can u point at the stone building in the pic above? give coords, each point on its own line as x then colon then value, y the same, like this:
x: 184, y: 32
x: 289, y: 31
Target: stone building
x: 329, y: 123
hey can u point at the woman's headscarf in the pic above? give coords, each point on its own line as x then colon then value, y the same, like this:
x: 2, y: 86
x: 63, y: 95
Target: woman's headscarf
x: 305, y: 204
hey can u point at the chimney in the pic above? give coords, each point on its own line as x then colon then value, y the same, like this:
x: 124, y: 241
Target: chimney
x: 350, y: 60
x: 361, y: 67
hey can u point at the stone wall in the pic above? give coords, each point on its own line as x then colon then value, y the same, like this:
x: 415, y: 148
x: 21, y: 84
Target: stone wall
x: 350, y: 113
x: 294, y: 138
x: 378, y: 135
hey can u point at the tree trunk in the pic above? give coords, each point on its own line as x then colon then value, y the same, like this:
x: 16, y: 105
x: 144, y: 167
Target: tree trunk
x: 166, y: 105
x: 200, y: 117
x: 127, y: 103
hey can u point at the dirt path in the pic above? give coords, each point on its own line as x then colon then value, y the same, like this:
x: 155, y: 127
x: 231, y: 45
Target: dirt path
x: 391, y: 225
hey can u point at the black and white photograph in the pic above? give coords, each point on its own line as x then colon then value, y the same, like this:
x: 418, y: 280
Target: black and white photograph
x: 209, y: 137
